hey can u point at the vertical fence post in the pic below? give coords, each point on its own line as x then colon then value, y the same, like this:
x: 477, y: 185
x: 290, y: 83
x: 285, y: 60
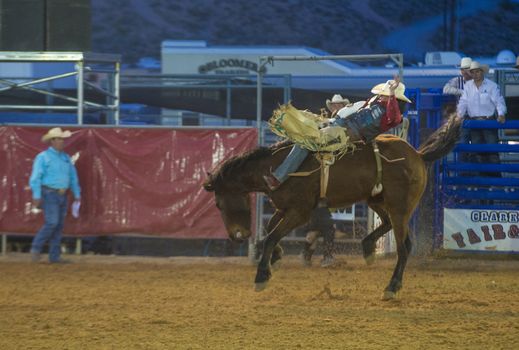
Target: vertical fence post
x: 4, y: 244
x: 78, y: 246
x: 80, y: 91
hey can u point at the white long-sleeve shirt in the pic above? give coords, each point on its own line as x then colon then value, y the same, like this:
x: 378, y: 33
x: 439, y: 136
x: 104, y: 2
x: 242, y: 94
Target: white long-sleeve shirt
x: 482, y: 101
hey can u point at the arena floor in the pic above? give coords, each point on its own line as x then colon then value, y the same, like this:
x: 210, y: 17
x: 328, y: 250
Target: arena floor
x: 108, y: 302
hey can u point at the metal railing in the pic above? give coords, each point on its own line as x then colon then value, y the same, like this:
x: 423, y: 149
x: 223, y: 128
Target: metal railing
x: 84, y: 63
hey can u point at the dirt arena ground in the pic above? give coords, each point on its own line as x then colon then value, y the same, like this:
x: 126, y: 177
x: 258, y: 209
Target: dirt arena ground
x: 108, y: 302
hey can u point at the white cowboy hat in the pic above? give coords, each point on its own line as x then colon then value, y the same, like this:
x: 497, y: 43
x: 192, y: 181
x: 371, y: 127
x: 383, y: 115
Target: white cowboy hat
x: 55, y: 133
x: 350, y: 109
x: 465, y: 63
x: 337, y: 99
x: 476, y: 65
x: 383, y: 89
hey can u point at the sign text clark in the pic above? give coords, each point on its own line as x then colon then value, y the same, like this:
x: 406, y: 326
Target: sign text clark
x: 481, y: 230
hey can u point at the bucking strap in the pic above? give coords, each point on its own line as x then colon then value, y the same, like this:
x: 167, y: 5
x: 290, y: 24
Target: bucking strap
x: 326, y: 160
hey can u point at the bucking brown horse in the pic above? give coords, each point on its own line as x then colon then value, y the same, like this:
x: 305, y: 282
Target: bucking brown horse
x: 351, y: 180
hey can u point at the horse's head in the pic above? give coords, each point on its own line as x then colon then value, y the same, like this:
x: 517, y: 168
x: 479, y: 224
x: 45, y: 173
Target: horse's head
x: 234, y: 208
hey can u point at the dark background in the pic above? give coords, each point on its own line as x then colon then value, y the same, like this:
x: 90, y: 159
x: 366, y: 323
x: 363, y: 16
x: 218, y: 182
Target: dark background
x: 136, y: 28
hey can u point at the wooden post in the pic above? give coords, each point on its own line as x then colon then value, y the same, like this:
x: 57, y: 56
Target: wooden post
x: 4, y: 244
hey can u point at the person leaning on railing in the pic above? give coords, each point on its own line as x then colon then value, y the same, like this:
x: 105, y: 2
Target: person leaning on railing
x: 482, y: 100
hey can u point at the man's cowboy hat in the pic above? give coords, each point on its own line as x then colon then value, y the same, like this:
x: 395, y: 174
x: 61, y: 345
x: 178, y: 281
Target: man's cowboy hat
x: 337, y: 99
x: 55, y: 133
x: 383, y: 89
x: 465, y: 63
x: 476, y: 65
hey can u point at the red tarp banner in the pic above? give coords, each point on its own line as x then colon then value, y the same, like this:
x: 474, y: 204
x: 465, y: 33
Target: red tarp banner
x: 145, y: 181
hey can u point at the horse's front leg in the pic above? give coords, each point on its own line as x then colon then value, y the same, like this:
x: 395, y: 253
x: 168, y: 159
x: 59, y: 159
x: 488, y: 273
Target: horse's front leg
x: 277, y: 254
x: 279, y: 225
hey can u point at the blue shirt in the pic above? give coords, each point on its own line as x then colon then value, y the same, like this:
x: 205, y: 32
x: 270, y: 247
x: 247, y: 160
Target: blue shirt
x: 55, y: 170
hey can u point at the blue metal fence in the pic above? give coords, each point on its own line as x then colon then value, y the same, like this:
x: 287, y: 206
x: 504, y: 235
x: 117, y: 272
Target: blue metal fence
x: 457, y: 182
x: 466, y: 184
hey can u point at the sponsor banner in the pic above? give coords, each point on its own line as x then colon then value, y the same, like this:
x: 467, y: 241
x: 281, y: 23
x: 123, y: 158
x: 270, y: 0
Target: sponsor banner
x: 481, y: 230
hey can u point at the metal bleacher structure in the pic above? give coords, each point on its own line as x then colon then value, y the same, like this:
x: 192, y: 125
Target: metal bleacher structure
x: 95, y: 81
x: 82, y: 87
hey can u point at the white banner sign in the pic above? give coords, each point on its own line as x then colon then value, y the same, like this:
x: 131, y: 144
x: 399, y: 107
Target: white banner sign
x: 475, y: 229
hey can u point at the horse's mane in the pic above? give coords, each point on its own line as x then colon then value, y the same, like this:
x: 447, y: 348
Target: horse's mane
x: 229, y: 166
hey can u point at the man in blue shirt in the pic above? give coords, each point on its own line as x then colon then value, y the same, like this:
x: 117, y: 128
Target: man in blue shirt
x: 53, y: 174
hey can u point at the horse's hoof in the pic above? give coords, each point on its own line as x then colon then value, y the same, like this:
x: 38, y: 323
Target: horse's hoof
x: 370, y: 259
x: 388, y: 295
x: 259, y: 287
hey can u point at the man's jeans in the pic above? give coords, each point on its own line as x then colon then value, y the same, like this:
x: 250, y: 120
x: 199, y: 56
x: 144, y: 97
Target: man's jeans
x: 54, y: 208
x: 466, y: 157
x: 291, y: 163
x: 486, y: 136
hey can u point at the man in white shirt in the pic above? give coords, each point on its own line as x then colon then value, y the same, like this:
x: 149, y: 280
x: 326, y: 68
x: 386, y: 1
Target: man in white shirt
x: 480, y: 100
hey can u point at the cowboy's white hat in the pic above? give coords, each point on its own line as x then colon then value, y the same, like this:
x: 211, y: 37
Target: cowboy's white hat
x: 350, y: 109
x: 337, y: 99
x: 383, y: 89
x: 476, y: 65
x: 465, y: 63
x: 56, y: 133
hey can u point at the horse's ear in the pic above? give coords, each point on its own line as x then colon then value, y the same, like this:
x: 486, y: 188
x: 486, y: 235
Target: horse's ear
x: 208, y: 184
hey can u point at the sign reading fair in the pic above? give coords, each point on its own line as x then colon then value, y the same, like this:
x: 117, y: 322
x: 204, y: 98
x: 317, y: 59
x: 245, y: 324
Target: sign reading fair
x: 471, y: 229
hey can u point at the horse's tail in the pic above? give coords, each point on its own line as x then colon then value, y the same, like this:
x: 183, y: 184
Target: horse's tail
x: 442, y: 141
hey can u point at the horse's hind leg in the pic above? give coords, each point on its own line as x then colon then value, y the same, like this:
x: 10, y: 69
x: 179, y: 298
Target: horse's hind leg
x: 369, y: 242
x: 403, y: 246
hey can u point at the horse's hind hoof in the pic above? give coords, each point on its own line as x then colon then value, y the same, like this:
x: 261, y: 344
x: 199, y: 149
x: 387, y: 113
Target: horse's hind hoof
x: 388, y: 295
x: 370, y: 259
x: 259, y: 287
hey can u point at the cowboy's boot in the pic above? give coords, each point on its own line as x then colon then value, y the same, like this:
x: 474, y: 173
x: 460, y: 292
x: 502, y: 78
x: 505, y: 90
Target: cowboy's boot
x: 272, y: 182
x: 328, y: 232
x: 306, y: 254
